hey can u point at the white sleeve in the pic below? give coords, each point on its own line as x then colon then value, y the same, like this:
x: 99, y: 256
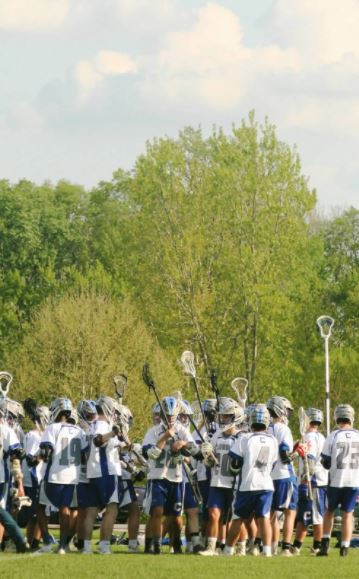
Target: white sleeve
x: 49, y: 435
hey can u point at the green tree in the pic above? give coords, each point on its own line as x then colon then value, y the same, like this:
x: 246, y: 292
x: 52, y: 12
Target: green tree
x: 219, y: 256
x: 77, y: 343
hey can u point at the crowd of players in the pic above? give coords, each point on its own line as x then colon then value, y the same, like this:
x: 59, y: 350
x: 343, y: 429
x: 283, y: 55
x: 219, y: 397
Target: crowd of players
x: 227, y: 477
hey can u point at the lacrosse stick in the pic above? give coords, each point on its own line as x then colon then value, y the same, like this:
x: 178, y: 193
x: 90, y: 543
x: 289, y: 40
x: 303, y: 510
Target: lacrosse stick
x: 303, y: 428
x: 240, y: 386
x: 325, y: 324
x: 120, y: 383
x: 150, y: 383
x: 5, y: 381
x: 187, y: 361
x: 213, y: 379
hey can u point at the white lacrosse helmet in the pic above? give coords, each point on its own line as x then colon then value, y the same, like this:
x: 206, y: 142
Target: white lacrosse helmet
x: 277, y: 407
x: 14, y: 410
x: 344, y: 412
x: 58, y: 406
x: 43, y: 416
x: 108, y: 406
x: 259, y: 414
x: 314, y: 415
x: 229, y: 413
x: 125, y: 418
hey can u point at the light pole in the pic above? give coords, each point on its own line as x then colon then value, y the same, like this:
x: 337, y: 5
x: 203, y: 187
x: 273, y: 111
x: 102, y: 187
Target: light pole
x: 325, y: 324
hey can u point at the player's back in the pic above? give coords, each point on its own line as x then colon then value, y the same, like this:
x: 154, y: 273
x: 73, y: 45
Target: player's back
x: 342, y: 446
x: 259, y: 451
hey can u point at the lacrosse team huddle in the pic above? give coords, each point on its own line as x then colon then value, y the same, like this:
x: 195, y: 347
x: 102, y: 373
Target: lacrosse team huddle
x: 219, y: 466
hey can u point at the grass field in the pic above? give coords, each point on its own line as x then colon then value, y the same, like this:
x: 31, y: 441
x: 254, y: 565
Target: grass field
x: 140, y: 566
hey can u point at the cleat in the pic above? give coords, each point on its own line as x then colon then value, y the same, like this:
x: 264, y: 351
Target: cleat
x: 313, y: 551
x: 208, y: 553
x: 344, y: 551
x: 286, y: 553
x: 44, y: 549
x: 241, y: 550
x: 253, y: 551
x: 295, y: 551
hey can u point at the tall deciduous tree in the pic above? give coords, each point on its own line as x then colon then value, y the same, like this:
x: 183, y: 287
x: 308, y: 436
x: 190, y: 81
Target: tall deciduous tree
x: 220, y: 257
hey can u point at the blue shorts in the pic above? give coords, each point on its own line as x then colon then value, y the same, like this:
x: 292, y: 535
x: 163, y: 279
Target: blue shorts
x: 83, y: 495
x: 220, y: 498
x: 166, y: 494
x: 248, y: 503
x: 189, y: 500
x: 285, y: 494
x: 129, y: 494
x: 311, y: 512
x: 344, y: 497
x: 104, y: 490
x: 59, y: 495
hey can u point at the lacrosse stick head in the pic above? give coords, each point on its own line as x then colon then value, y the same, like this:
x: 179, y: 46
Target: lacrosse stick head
x: 147, y: 377
x: 303, y: 421
x: 120, y: 383
x: 325, y: 324
x: 240, y: 386
x: 5, y: 381
x: 187, y: 361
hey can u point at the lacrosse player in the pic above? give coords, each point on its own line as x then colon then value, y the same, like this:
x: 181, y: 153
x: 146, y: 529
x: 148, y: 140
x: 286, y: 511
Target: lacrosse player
x: 311, y: 512
x: 165, y: 448
x: 130, y: 473
x: 253, y: 455
x: 340, y: 456
x: 33, y: 469
x: 104, y: 473
x: 230, y: 415
x: 285, y: 497
x: 61, y: 447
x: 10, y: 447
x: 190, y: 505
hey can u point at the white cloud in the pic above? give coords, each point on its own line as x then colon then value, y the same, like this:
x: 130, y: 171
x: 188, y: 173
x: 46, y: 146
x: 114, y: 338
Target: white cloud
x: 323, y: 31
x: 210, y: 61
x: 108, y: 62
x: 90, y: 74
x: 33, y: 14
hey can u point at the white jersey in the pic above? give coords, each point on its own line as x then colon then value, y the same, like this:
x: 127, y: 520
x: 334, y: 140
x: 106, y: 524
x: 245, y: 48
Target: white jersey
x: 315, y: 442
x: 8, y: 441
x: 67, y: 442
x: 105, y: 459
x: 259, y: 451
x: 283, y: 435
x: 342, y: 446
x: 165, y: 466
x: 221, y: 474
x: 32, y: 475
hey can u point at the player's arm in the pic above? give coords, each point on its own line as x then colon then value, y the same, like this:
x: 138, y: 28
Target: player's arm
x: 326, y: 461
x: 236, y: 462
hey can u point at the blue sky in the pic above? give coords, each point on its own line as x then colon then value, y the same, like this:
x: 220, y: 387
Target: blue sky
x: 86, y: 82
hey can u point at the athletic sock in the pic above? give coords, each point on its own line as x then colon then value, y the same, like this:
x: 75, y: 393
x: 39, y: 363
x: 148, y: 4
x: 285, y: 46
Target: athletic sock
x: 195, y: 540
x: 297, y: 544
x: 87, y: 545
x: 229, y: 550
x: 80, y: 543
x: 212, y: 541
x: 344, y: 543
x: 267, y: 550
x: 35, y: 543
x: 316, y: 544
x: 286, y: 545
x: 157, y: 545
x: 132, y: 543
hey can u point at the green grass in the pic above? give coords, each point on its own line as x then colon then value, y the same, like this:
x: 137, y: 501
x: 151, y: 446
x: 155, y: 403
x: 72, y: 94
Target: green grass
x: 141, y: 566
